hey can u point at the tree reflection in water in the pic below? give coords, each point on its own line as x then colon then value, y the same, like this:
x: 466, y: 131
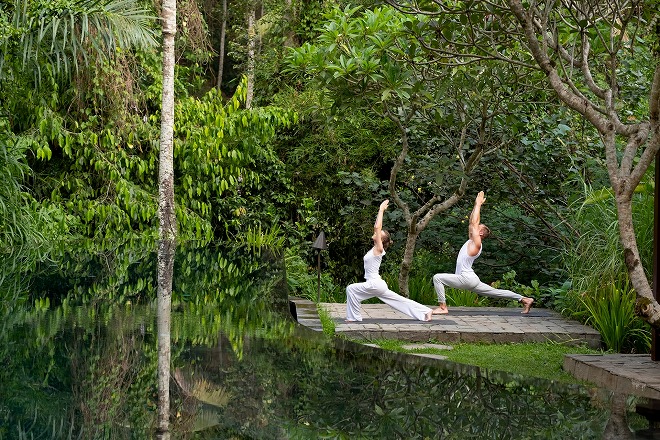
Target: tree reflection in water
x: 242, y: 369
x: 164, y: 317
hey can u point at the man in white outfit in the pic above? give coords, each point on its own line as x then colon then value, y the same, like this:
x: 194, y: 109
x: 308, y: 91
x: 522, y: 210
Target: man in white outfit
x: 464, y: 277
x: 375, y: 285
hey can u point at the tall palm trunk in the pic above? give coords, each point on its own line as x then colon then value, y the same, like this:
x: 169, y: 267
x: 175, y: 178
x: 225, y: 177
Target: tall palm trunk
x: 167, y: 226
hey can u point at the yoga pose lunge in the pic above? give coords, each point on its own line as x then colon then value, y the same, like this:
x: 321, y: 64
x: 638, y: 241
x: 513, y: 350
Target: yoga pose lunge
x: 464, y: 277
x: 375, y: 286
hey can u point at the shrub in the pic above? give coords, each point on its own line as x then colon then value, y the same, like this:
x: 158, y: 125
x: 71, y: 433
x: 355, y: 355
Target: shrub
x: 612, y: 313
x: 303, y: 280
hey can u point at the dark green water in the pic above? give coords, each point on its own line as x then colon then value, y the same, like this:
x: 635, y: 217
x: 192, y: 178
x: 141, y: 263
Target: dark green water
x: 241, y: 368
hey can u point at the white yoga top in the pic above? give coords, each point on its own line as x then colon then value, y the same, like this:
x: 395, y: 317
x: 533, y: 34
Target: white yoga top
x: 464, y: 261
x: 372, y: 264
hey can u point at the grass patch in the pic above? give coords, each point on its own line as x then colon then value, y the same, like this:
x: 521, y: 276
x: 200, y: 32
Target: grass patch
x: 544, y: 359
x: 327, y: 323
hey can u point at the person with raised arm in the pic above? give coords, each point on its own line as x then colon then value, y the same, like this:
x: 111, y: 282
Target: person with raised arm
x: 375, y: 286
x: 464, y: 277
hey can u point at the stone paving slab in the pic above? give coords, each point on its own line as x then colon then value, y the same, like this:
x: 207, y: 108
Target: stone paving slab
x: 464, y: 324
x: 622, y: 373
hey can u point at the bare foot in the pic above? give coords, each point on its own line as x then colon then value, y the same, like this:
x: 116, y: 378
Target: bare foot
x: 527, y: 304
x: 349, y: 320
x: 428, y: 315
x: 442, y: 310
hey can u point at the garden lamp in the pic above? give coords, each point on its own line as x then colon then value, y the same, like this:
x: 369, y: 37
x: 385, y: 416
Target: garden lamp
x: 319, y: 245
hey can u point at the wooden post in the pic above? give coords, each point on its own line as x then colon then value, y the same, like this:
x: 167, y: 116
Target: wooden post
x: 318, y: 270
x: 319, y: 244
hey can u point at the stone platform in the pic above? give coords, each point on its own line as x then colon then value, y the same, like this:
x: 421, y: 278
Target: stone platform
x: 464, y: 324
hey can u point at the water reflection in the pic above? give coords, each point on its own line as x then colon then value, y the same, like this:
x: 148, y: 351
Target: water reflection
x: 240, y: 368
x: 91, y: 373
x: 165, y: 278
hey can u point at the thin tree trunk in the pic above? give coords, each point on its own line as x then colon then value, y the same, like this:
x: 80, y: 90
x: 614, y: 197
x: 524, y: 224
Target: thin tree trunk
x: 251, y: 53
x: 167, y: 229
x: 167, y: 219
x: 617, y: 425
x: 223, y: 31
x: 406, y: 262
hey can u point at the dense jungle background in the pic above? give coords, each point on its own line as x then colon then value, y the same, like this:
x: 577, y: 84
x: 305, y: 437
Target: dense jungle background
x: 291, y: 116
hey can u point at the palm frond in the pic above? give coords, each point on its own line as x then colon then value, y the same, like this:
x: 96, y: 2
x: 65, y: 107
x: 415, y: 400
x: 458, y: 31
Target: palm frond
x: 67, y: 38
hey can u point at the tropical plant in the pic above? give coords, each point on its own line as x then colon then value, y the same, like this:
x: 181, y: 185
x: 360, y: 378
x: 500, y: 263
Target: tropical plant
x: 597, y: 270
x: 217, y: 150
x: 303, y: 280
x: 43, y: 42
x: 65, y: 35
x: 612, y: 312
x: 27, y: 230
x: 465, y: 298
x: 594, y: 259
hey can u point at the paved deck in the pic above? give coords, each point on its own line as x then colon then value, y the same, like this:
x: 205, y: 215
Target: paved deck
x: 620, y: 373
x: 464, y: 324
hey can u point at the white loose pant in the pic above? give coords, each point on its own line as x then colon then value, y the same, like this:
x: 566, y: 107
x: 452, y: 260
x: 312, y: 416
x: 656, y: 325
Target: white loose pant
x: 469, y: 281
x: 358, y: 292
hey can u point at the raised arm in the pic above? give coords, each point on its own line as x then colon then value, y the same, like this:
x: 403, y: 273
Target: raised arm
x: 473, y: 228
x: 378, y: 227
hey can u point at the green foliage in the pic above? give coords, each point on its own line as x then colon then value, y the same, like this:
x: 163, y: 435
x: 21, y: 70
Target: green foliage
x: 225, y: 154
x: 107, y: 180
x: 62, y: 34
x: 464, y: 298
x: 528, y: 359
x: 357, y: 57
x: 509, y: 282
x: 557, y: 298
x: 421, y: 290
x: 595, y: 259
x: 258, y: 240
x: 612, y: 313
x: 26, y: 229
x: 303, y: 280
x: 601, y: 294
x: 327, y: 322
x: 335, y: 164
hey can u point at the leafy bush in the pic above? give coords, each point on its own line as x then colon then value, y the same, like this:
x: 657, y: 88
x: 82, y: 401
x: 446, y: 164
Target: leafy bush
x: 465, y: 298
x: 601, y: 294
x: 595, y: 259
x: 612, y: 313
x: 556, y: 298
x: 303, y: 280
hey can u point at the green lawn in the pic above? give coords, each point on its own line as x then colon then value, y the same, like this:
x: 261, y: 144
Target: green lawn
x: 542, y: 360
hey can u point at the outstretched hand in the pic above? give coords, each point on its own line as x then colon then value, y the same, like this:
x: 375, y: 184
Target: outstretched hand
x: 383, y: 205
x: 481, y: 198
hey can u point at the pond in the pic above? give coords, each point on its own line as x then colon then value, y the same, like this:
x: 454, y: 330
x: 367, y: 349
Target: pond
x: 242, y: 368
